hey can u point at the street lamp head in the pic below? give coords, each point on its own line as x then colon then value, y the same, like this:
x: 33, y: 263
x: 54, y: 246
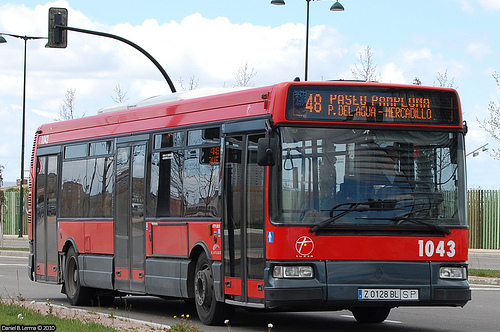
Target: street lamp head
x: 277, y: 2
x: 2, y: 40
x: 337, y: 7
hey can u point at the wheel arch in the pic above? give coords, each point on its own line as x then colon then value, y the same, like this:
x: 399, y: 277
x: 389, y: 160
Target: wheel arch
x: 70, y: 243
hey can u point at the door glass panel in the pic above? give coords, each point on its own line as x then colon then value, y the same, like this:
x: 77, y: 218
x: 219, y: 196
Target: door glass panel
x: 45, y: 219
x: 41, y: 211
x: 234, y: 212
x: 51, y: 212
x: 122, y: 207
x: 138, y: 229
x: 255, y: 212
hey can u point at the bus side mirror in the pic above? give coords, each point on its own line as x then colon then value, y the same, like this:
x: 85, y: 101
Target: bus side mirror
x: 266, y: 152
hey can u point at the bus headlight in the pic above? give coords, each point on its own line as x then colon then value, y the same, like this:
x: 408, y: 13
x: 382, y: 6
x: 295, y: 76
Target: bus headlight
x: 293, y: 271
x: 453, y: 272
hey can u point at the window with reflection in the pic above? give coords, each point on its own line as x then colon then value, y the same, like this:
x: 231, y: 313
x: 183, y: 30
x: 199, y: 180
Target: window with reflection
x: 87, y: 181
x: 185, y: 182
x: 369, y: 177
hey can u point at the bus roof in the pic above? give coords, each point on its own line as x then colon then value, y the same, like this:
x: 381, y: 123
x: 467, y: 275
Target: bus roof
x: 206, y: 105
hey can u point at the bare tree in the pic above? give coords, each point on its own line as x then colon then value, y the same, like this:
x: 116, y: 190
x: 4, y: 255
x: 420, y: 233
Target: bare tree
x: 193, y: 83
x: 245, y: 75
x: 121, y: 96
x: 67, y: 108
x: 492, y: 125
x: 443, y: 81
x: 367, y: 70
x: 2, y: 167
x: 417, y: 81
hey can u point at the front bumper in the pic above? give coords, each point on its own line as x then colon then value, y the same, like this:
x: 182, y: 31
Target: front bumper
x: 336, y: 285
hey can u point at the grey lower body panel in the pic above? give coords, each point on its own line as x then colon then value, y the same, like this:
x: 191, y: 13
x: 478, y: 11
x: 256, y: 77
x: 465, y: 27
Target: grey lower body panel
x: 167, y: 277
x: 337, y: 285
x: 96, y: 271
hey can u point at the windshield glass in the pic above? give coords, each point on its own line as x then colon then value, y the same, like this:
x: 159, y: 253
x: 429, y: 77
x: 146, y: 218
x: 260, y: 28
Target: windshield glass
x: 368, y: 177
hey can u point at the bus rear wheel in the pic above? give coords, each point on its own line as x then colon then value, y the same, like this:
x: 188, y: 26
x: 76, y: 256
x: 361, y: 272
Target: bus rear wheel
x: 210, y: 311
x: 371, y: 315
x: 75, y: 292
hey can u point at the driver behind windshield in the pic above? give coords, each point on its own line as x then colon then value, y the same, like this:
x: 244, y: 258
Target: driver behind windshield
x: 378, y: 184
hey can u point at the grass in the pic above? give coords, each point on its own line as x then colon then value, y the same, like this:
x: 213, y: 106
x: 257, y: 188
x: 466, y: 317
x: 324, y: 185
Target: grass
x: 484, y: 273
x: 14, y: 249
x: 20, y: 318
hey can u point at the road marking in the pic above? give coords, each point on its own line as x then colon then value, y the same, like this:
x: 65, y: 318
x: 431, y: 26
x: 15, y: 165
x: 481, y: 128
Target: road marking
x: 486, y: 287
x: 13, y: 257
x: 2, y: 264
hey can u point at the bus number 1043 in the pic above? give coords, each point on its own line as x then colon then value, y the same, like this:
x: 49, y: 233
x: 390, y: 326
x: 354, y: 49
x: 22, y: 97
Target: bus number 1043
x: 429, y: 248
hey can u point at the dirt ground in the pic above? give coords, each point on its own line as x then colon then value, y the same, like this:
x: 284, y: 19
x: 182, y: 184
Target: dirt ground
x: 119, y: 323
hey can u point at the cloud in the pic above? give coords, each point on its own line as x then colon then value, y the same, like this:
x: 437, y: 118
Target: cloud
x: 392, y: 74
x: 470, y: 6
x: 478, y: 49
x: 50, y: 116
x: 415, y: 55
x: 490, y: 4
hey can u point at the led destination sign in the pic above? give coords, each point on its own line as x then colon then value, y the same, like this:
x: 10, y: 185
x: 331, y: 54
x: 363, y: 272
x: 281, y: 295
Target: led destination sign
x: 372, y: 105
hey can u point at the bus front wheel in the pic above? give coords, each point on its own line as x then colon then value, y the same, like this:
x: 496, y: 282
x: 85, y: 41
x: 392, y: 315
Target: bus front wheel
x: 370, y: 315
x: 210, y: 311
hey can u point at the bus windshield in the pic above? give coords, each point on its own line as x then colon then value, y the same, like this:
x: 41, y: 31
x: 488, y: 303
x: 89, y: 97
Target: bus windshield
x: 368, y: 177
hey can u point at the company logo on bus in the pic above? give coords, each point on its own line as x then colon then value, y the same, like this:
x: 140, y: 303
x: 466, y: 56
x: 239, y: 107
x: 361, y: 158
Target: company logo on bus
x: 304, y: 246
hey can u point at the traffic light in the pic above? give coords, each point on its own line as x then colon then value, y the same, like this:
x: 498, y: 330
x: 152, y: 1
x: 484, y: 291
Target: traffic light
x: 58, y: 37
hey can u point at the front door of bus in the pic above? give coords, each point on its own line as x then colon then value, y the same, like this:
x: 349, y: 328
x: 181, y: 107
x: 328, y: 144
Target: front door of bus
x: 130, y: 245
x: 244, y: 260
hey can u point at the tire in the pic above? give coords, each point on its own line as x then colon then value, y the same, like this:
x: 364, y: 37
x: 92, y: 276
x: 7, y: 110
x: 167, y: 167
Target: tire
x: 371, y: 315
x: 210, y: 311
x: 75, y: 292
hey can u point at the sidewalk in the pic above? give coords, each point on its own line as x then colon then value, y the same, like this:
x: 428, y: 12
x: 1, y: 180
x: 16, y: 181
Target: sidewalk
x: 14, y: 241
x: 486, y: 259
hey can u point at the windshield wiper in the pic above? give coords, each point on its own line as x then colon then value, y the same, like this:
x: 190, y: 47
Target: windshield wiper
x: 439, y: 228
x: 351, y: 207
x: 374, y: 205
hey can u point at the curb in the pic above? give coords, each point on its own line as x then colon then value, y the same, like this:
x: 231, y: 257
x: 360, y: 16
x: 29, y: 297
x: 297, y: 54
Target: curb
x: 484, y: 281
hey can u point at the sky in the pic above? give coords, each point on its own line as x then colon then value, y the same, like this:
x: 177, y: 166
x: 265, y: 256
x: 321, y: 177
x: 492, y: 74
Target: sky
x: 209, y: 41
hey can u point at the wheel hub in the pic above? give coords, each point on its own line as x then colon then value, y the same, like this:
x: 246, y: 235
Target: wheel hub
x: 203, y: 296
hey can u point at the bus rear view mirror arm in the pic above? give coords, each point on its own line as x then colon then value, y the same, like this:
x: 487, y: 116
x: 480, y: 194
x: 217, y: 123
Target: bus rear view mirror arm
x: 266, y: 153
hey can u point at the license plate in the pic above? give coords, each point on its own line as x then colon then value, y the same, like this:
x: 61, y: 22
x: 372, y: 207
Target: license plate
x: 388, y: 294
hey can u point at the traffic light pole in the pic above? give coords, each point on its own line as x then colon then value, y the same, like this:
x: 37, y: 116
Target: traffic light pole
x: 126, y: 41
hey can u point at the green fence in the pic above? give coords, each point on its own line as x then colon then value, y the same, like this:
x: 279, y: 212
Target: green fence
x: 484, y: 219
x: 10, y: 210
x: 483, y: 216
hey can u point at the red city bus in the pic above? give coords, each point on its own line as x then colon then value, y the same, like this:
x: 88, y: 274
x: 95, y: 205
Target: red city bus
x: 296, y: 196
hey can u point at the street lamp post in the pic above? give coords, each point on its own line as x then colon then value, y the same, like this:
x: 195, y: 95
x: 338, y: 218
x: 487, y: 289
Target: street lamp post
x: 476, y: 152
x: 21, y: 203
x: 336, y: 7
